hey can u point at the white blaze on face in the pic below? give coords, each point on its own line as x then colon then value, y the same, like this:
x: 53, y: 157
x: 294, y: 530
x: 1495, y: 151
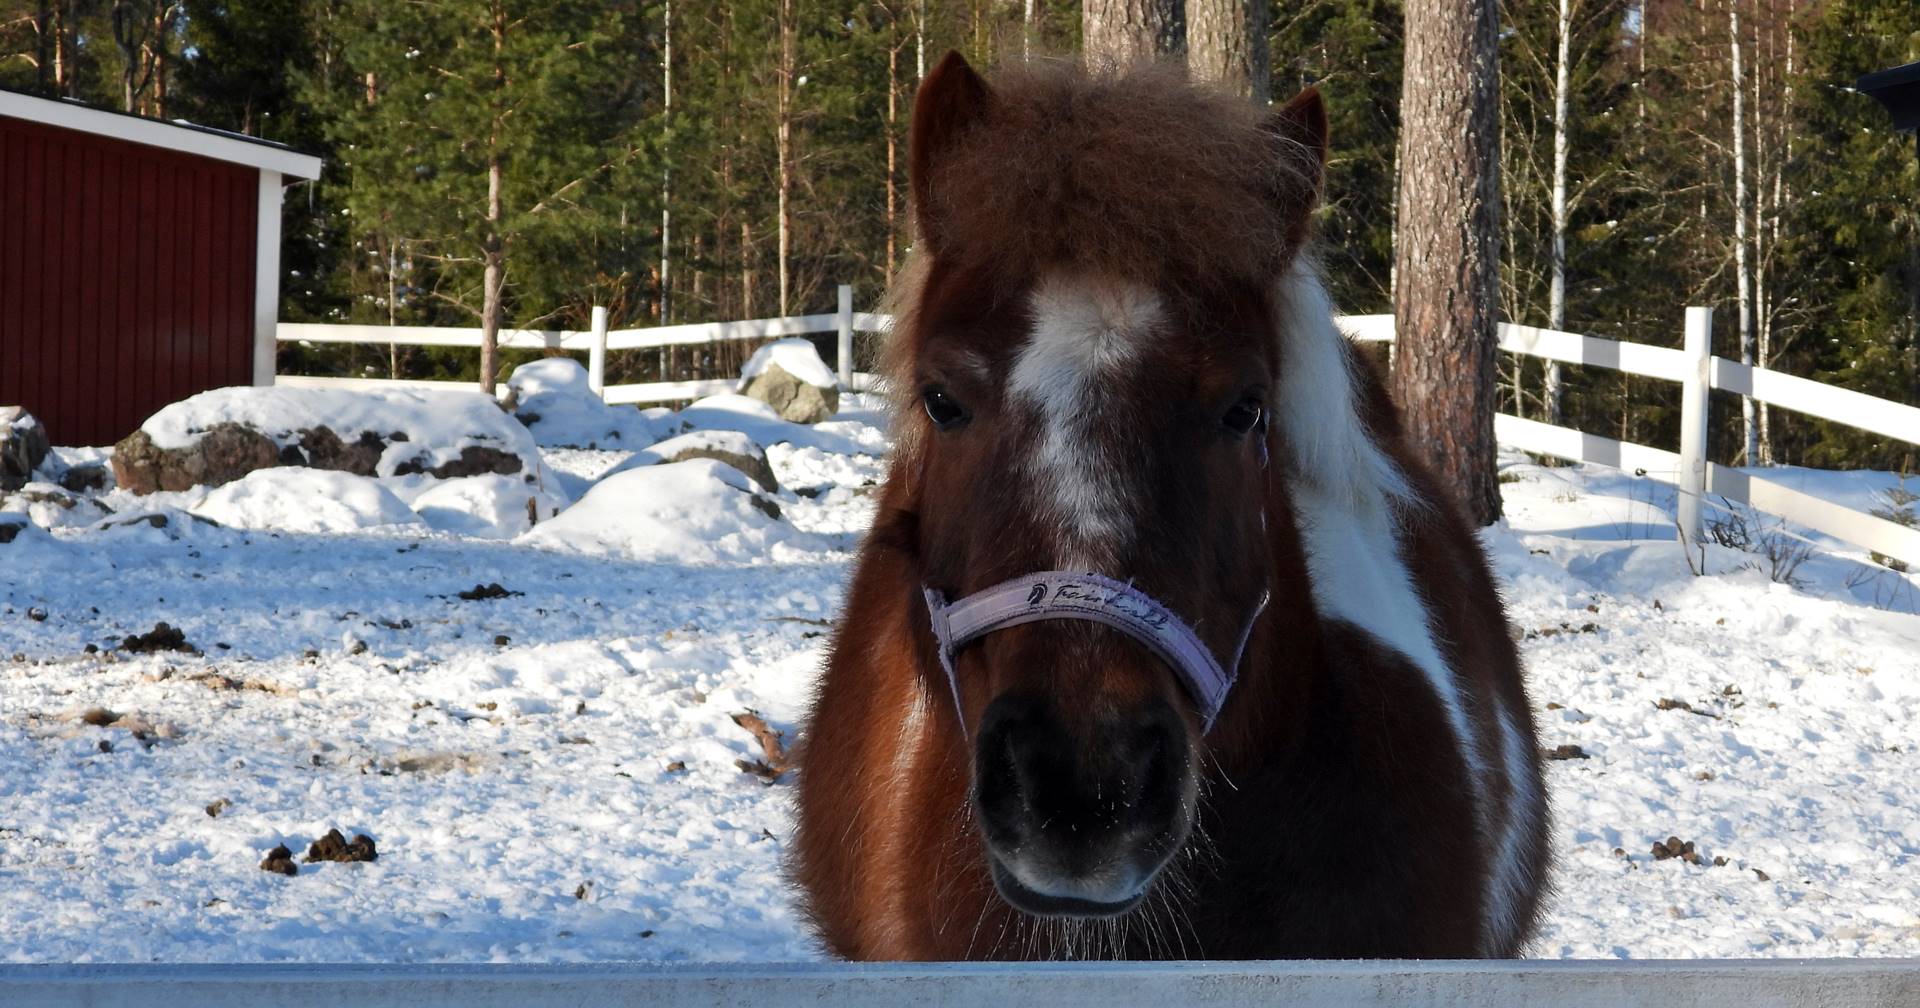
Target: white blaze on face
x: 1087, y: 333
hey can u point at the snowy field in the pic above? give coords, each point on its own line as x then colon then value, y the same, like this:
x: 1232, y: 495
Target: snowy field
x: 551, y: 770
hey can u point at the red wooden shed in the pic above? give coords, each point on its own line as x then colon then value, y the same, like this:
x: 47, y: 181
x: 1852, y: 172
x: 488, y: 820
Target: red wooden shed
x: 139, y: 263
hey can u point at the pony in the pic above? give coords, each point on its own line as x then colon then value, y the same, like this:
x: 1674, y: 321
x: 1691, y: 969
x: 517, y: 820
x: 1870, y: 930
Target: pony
x: 1163, y: 643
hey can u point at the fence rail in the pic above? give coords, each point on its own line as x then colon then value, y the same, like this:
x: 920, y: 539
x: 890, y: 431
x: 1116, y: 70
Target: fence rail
x: 1693, y: 367
x: 1827, y: 983
x: 1698, y: 372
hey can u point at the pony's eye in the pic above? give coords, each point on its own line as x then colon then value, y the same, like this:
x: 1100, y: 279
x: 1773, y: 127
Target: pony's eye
x: 1245, y: 415
x: 945, y: 413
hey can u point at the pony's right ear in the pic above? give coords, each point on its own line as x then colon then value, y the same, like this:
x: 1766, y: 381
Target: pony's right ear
x: 951, y: 100
x: 1301, y: 127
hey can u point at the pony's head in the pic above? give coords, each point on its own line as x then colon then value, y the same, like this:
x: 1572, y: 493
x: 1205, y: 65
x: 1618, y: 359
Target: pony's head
x: 1086, y: 363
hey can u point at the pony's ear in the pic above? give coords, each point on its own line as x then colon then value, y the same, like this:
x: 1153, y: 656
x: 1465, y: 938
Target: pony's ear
x: 951, y: 99
x: 1301, y: 127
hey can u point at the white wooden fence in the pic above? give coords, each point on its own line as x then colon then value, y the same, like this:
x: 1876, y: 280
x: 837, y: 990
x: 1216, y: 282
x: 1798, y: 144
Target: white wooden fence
x: 1697, y: 371
x: 596, y: 342
x: 1823, y: 983
x: 1694, y: 367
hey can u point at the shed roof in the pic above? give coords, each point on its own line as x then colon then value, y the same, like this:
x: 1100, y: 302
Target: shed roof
x: 184, y: 137
x: 1899, y: 90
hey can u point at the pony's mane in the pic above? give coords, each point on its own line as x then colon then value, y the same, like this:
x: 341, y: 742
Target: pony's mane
x: 1134, y: 174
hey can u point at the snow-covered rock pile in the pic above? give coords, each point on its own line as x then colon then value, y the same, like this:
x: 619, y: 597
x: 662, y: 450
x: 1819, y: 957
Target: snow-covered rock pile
x: 219, y: 436
x: 789, y: 376
x: 729, y: 446
x: 701, y: 510
x: 555, y: 401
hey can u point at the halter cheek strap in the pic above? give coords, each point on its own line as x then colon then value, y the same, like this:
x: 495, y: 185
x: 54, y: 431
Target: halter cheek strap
x: 1051, y: 595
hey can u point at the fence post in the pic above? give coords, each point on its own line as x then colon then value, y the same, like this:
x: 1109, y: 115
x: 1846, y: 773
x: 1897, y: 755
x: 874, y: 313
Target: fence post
x: 597, y: 354
x: 844, y: 319
x: 1693, y: 423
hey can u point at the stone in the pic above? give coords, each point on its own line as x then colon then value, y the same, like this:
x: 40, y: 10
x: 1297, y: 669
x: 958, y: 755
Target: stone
x: 23, y: 446
x: 82, y: 478
x: 796, y: 401
x: 224, y: 453
x: 473, y: 460
x: 732, y: 447
x: 13, y: 526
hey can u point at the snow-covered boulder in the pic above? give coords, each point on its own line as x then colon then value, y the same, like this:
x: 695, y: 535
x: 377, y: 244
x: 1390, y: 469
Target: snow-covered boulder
x: 489, y: 506
x: 23, y: 446
x: 219, y: 436
x: 698, y: 511
x: 732, y: 447
x: 14, y: 525
x: 291, y: 499
x: 53, y: 506
x: 789, y: 376
x: 734, y: 412
x: 553, y: 398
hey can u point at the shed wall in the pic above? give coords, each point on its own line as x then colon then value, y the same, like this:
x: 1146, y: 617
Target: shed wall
x: 126, y: 278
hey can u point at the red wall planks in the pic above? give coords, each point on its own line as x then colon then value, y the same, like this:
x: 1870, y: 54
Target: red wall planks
x: 126, y: 278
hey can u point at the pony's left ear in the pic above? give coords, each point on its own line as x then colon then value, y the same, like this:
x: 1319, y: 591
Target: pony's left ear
x: 1301, y: 127
x: 951, y: 100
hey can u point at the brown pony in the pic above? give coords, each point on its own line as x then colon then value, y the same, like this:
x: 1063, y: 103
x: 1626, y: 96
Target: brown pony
x: 1113, y: 356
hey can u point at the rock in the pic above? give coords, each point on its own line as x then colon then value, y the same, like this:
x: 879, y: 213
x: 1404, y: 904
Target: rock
x: 223, y: 453
x: 14, y: 525
x: 324, y: 450
x: 50, y: 506
x: 82, y: 478
x: 732, y: 447
x: 23, y: 446
x: 473, y: 460
x: 789, y: 376
x: 796, y: 401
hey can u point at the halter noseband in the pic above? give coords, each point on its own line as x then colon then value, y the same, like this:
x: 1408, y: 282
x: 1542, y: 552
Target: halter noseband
x: 1051, y: 595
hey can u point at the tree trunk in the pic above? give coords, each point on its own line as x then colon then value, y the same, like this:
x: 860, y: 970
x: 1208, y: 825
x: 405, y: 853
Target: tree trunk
x: 1749, y: 429
x: 1448, y: 253
x: 666, y: 174
x: 494, y: 280
x: 1227, y: 44
x: 1120, y: 32
x: 1557, y: 285
x: 893, y: 141
x: 783, y: 139
x: 492, y: 247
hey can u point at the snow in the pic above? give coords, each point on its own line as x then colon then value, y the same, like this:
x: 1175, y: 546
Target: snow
x: 731, y: 442
x: 796, y: 357
x: 488, y: 506
x: 296, y: 499
x: 698, y: 511
x: 555, y: 400
x: 757, y: 420
x: 550, y: 774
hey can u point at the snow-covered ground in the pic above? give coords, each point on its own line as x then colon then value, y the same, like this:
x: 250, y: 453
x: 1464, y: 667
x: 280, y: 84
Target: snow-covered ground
x: 550, y: 774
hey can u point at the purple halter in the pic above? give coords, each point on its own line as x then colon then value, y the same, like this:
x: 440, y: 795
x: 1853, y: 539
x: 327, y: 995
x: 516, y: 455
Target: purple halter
x: 1051, y: 595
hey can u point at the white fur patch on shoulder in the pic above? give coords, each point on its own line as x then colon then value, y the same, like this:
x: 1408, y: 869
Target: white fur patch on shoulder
x: 1086, y: 333
x: 1346, y: 492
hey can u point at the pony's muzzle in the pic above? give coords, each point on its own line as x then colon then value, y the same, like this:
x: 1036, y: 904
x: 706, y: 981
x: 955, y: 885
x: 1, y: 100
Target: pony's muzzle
x: 1078, y: 823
